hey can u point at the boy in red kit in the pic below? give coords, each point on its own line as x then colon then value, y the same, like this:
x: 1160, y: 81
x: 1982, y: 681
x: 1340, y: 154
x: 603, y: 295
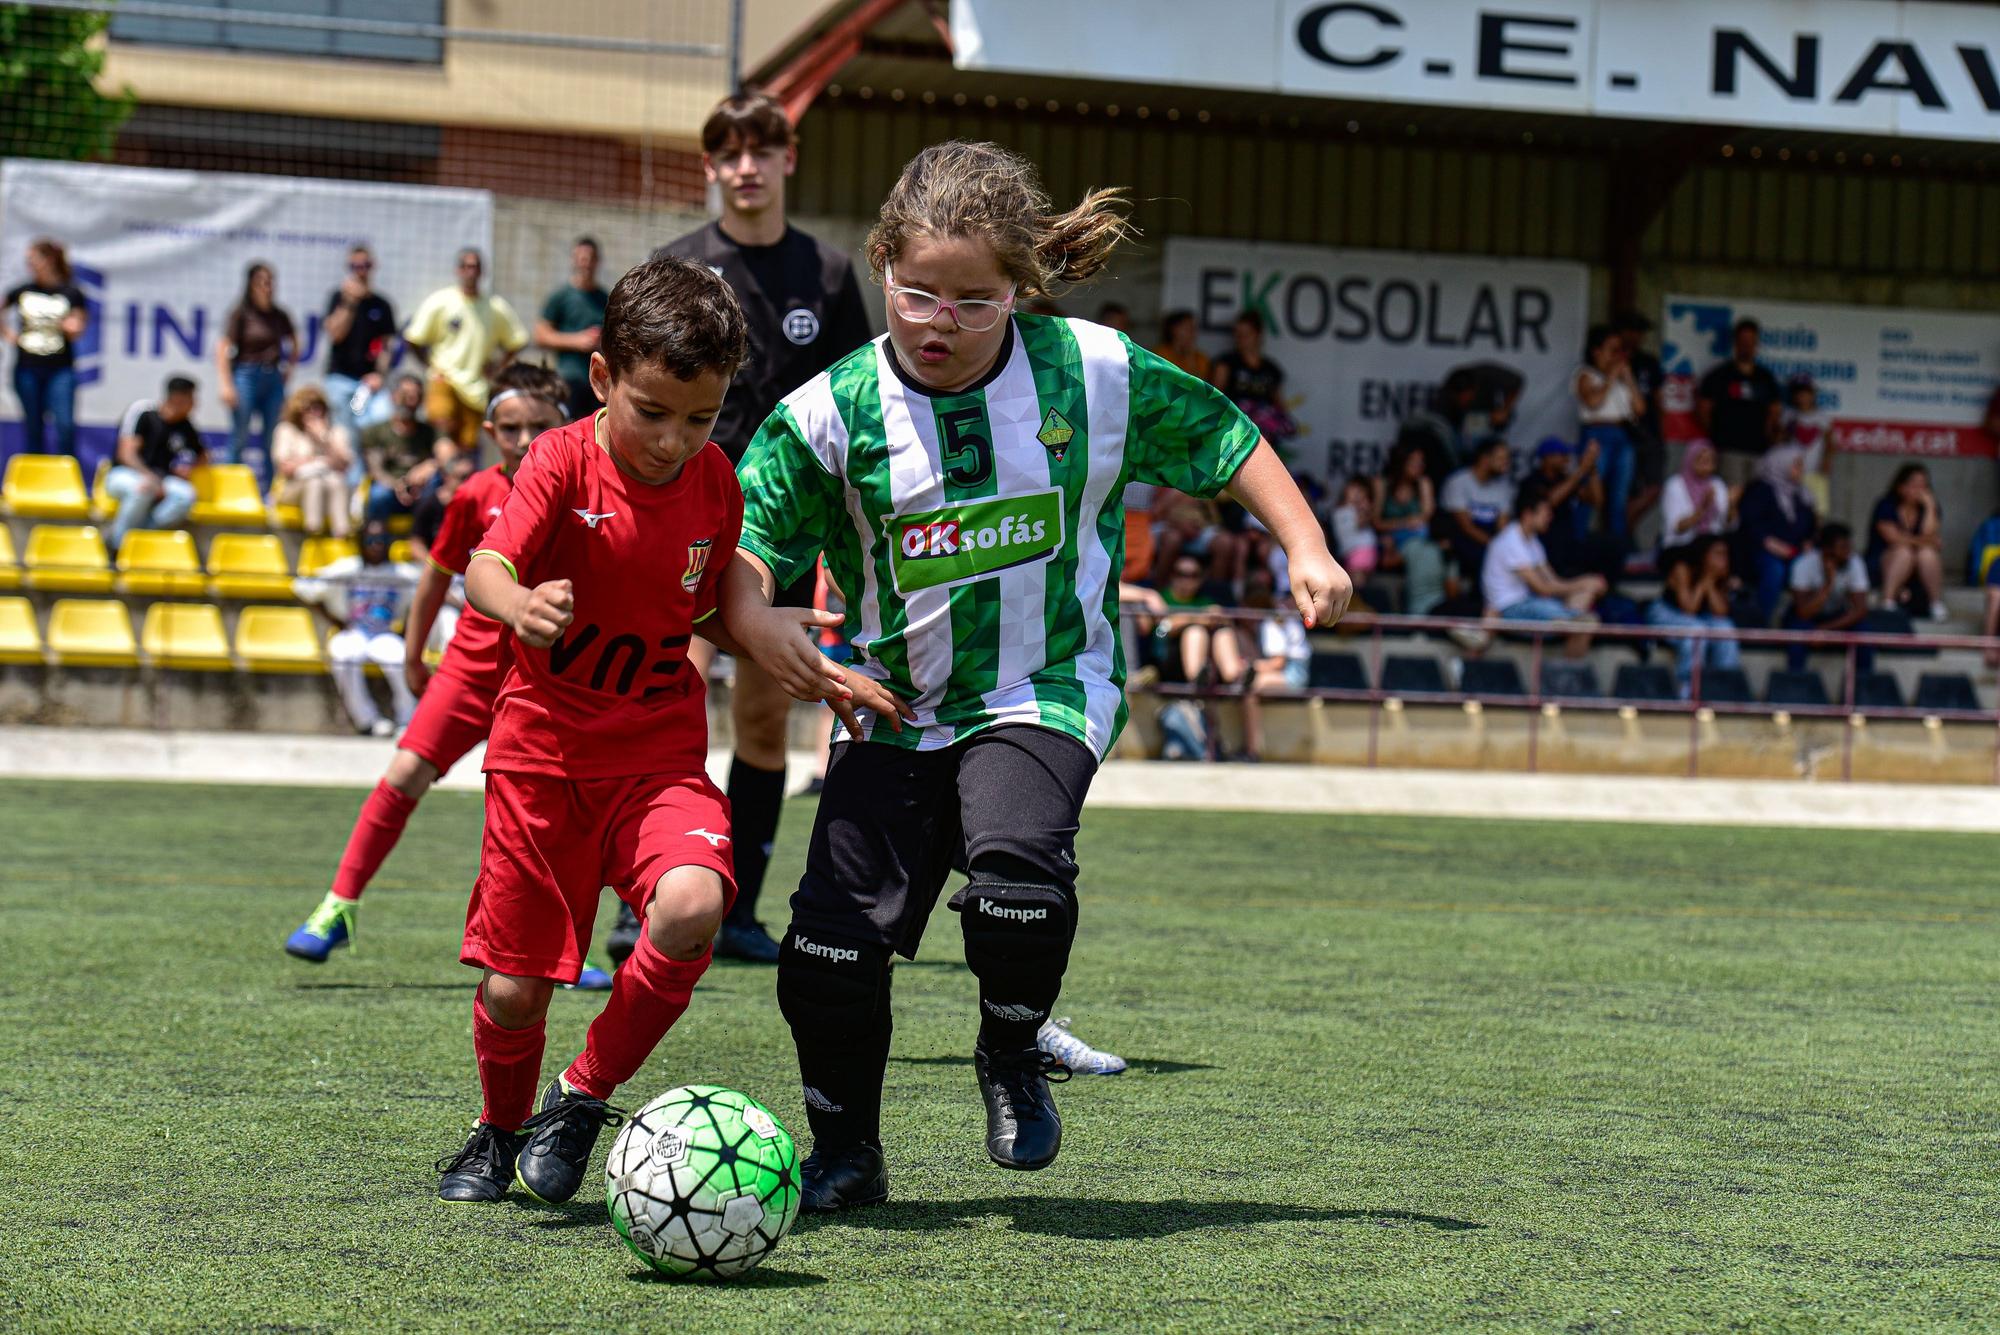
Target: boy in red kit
x: 605, y: 559
x: 456, y: 708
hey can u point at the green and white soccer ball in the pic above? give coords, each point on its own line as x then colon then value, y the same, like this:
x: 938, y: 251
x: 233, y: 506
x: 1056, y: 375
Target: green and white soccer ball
x: 703, y: 1181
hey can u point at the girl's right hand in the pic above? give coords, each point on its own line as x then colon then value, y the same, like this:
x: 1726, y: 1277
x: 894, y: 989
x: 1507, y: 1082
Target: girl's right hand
x: 781, y: 640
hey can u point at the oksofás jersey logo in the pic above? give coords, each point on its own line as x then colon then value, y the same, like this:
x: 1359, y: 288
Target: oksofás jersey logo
x: 956, y: 544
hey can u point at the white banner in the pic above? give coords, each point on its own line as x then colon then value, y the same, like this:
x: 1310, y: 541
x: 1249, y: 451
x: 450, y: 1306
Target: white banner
x: 1896, y: 381
x: 1365, y: 336
x: 1867, y: 66
x: 161, y: 256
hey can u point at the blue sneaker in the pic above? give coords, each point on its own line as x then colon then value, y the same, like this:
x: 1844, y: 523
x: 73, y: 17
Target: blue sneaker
x: 331, y: 925
x: 592, y: 979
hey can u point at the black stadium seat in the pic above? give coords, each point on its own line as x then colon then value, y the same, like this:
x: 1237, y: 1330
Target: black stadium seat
x: 1726, y: 686
x: 1946, y: 690
x: 1491, y: 676
x: 1643, y: 681
x: 1336, y: 672
x: 1795, y: 688
x: 1570, y: 681
x: 1877, y: 690
x: 1405, y: 675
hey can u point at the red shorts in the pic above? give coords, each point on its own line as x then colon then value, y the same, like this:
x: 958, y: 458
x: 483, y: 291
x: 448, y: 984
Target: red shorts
x: 552, y: 844
x: 452, y: 717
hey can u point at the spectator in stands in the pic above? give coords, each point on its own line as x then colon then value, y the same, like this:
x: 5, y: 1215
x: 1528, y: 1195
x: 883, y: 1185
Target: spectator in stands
x: 1982, y: 571
x: 1477, y: 501
x: 253, y: 360
x: 1200, y: 642
x: 311, y: 457
x: 1113, y: 315
x: 360, y: 328
x: 1254, y: 382
x: 1437, y: 428
x: 427, y: 516
x: 158, y: 447
x: 1649, y: 446
x: 1284, y: 656
x: 1906, y: 541
x: 401, y: 454
x: 569, y: 325
x: 464, y: 339
x: 1738, y: 405
x: 1354, y: 529
x: 366, y: 598
x: 1696, y: 503
x: 1810, y: 427
x: 49, y: 314
x: 1521, y: 585
x: 1405, y: 506
x: 1177, y: 345
x: 1607, y: 404
x: 1576, y: 492
x: 1777, y: 523
x: 1190, y: 526
x: 1696, y: 596
x: 1829, y: 592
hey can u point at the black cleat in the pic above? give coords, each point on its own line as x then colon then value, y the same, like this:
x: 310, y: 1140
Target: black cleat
x: 482, y: 1170
x: 843, y: 1180
x: 746, y: 941
x: 1023, y: 1128
x: 559, y: 1140
x: 623, y: 938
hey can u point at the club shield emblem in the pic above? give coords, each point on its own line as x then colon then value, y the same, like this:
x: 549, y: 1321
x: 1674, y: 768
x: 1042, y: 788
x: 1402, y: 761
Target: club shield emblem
x: 697, y: 563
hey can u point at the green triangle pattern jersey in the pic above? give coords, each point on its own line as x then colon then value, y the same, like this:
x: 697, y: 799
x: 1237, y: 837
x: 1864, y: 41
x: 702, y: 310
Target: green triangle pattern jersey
x: 978, y: 536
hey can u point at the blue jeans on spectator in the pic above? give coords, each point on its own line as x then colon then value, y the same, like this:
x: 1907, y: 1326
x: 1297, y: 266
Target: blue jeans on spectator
x: 1795, y: 654
x: 47, y: 392
x: 382, y: 504
x: 138, y: 507
x: 1616, y: 460
x: 260, y: 393
x: 1774, y: 576
x: 1538, y: 609
x: 1721, y: 653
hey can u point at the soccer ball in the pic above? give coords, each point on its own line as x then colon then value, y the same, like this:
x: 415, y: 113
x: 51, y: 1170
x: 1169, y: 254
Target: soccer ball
x: 702, y: 1181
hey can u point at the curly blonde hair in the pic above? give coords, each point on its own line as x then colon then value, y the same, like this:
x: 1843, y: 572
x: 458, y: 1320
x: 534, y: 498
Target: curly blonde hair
x: 984, y: 191
x: 299, y: 400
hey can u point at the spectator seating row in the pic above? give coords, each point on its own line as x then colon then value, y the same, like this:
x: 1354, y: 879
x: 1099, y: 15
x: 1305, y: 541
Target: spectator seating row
x: 1639, y: 683
x: 62, y: 558
x: 50, y: 486
x: 93, y: 632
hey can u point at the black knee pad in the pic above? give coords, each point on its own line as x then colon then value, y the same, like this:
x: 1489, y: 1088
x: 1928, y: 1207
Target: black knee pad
x: 829, y: 984
x: 1011, y: 928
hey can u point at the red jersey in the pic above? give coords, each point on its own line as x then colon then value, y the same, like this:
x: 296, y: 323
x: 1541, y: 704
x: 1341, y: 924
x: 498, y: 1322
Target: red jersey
x: 614, y: 695
x: 476, y: 653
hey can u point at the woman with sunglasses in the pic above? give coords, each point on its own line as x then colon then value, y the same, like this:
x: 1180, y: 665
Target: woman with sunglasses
x: 360, y: 330
x: 962, y: 476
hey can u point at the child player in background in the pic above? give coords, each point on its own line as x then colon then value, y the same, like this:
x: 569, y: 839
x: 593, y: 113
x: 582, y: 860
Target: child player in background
x: 605, y: 558
x: 455, y: 708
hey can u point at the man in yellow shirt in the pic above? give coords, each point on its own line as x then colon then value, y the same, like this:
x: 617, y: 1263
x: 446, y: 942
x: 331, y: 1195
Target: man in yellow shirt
x: 464, y: 339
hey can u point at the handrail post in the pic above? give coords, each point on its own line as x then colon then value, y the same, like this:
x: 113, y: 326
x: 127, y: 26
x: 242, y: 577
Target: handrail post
x: 1374, y: 691
x: 1535, y: 701
x: 1847, y: 732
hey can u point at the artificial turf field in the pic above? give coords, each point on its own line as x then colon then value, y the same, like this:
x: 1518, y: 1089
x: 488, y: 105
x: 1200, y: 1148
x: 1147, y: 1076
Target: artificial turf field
x: 1388, y: 1074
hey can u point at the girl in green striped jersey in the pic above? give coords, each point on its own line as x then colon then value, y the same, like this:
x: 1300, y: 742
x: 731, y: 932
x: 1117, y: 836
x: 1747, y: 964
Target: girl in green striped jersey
x: 962, y: 477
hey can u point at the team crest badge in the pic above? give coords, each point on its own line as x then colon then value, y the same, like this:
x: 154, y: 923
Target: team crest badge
x: 697, y: 563
x: 1056, y: 434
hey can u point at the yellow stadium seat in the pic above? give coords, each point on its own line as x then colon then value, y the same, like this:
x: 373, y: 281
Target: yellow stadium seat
x: 10, y: 568
x: 248, y: 565
x: 67, y: 559
x: 20, y: 642
x: 160, y: 563
x: 185, y: 635
x: 227, y: 494
x: 278, y: 639
x: 316, y: 554
x: 102, y: 504
x: 91, y: 632
x: 45, y: 486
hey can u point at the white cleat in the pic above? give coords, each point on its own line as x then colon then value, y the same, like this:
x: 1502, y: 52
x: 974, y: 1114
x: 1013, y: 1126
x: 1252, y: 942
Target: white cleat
x: 1055, y: 1039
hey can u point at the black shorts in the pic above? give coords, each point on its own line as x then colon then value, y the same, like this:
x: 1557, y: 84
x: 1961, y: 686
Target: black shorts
x: 893, y: 823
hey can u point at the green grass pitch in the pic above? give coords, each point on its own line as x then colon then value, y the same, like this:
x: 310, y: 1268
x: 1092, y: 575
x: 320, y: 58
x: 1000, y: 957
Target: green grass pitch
x: 1388, y: 1074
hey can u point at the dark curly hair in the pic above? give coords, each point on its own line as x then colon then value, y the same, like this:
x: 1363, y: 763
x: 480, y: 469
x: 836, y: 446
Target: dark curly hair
x: 676, y: 314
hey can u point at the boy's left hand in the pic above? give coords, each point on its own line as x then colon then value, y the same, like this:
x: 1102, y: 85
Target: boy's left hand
x: 1320, y: 587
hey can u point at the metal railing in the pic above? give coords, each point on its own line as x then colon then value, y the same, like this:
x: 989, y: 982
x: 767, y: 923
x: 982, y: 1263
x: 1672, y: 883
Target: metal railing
x: 1538, y: 703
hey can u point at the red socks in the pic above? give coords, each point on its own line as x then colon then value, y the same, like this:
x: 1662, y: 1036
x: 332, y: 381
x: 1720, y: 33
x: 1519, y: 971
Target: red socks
x: 380, y: 825
x: 510, y: 1066
x: 648, y: 994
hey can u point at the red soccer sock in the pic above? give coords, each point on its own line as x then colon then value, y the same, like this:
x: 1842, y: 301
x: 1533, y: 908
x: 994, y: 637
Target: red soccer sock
x: 376, y: 831
x: 510, y: 1066
x: 648, y: 994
